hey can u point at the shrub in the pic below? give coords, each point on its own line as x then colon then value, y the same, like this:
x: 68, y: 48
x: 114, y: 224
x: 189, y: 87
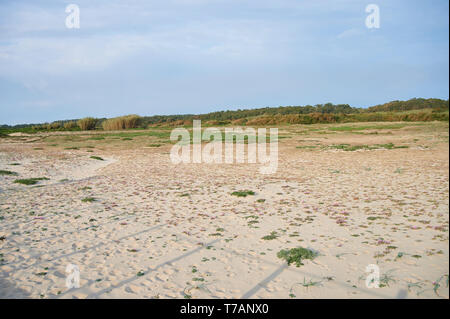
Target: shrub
x: 51, y: 126
x: 70, y: 125
x: 122, y: 122
x: 87, y: 123
x: 239, y: 121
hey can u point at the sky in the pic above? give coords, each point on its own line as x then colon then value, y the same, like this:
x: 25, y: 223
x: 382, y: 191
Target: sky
x: 152, y: 57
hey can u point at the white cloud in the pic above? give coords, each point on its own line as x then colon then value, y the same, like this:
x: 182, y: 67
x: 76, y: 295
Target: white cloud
x: 47, y: 55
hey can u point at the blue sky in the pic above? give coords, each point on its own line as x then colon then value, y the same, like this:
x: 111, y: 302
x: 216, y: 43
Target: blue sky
x: 194, y: 56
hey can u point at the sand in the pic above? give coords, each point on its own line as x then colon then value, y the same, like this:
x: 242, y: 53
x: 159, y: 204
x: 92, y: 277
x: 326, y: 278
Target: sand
x: 159, y: 230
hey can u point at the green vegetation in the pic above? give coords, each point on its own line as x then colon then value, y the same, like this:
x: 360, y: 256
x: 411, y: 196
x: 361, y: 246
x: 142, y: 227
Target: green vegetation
x: 310, y: 283
x: 351, y: 148
x: 43, y: 273
x: 3, y: 172
x: 437, y: 284
x: 413, y: 104
x: 386, y: 278
x: 413, y: 110
x: 87, y: 123
x: 367, y: 127
x: 70, y: 125
x: 30, y: 181
x: 296, y: 255
x: 306, y: 147
x: 97, y: 158
x: 273, y: 235
x: 88, y: 200
x: 243, y: 193
x: 121, y: 122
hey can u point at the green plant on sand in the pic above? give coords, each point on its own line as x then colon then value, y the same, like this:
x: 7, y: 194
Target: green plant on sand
x: 243, y: 193
x: 30, y: 181
x: 297, y: 255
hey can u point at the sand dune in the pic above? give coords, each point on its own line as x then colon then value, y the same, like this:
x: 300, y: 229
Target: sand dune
x: 158, y: 230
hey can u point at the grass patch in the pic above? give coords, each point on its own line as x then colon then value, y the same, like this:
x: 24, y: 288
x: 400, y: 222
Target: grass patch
x: 30, y: 181
x: 390, y: 146
x: 296, y: 255
x: 385, y: 279
x: 97, y: 158
x: 273, y: 235
x: 216, y: 234
x: 352, y: 148
x: 88, y: 200
x: 243, y: 193
x: 310, y: 283
x: 366, y: 127
x: 306, y: 147
x: 43, y: 273
x: 3, y: 172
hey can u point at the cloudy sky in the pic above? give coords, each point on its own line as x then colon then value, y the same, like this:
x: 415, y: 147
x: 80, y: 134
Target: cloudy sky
x: 193, y: 56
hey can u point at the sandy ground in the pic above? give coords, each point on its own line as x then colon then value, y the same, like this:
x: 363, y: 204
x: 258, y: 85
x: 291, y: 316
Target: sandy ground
x: 159, y: 230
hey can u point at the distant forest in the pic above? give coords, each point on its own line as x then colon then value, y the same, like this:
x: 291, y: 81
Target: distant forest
x: 417, y: 109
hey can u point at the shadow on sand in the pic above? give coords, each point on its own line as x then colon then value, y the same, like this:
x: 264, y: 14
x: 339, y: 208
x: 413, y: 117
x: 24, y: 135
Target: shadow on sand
x: 8, y: 290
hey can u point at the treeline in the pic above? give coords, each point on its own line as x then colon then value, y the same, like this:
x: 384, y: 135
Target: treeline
x: 413, y: 104
x: 411, y: 110
x: 314, y: 118
x: 224, y: 117
x: 325, y: 113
